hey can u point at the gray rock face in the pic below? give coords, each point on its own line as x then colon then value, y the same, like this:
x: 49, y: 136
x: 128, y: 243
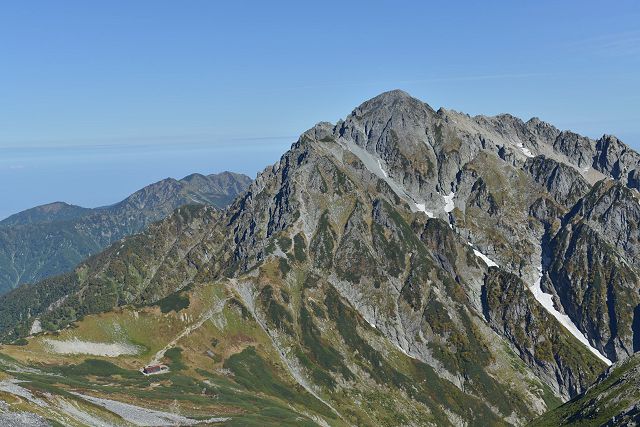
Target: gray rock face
x: 579, y: 150
x: 618, y: 161
x: 513, y: 311
x: 594, y: 265
x: 543, y: 131
x: 563, y: 182
x: 596, y: 288
x: 22, y: 419
x: 613, y: 211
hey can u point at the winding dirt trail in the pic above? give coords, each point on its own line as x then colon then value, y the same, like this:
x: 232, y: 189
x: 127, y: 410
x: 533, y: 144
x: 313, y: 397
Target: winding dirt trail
x: 216, y: 309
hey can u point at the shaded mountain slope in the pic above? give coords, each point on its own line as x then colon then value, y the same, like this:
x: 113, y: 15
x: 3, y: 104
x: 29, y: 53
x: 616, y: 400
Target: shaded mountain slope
x: 614, y: 400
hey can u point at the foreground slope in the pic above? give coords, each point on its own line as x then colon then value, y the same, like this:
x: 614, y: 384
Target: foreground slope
x: 52, y: 239
x: 613, y: 400
x: 395, y: 266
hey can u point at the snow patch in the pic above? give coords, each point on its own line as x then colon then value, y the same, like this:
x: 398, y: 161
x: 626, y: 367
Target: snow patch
x: 403, y: 350
x: 423, y: 208
x: 486, y: 259
x: 448, y: 202
x: 76, y: 346
x: 525, y: 150
x: 546, y: 300
x: 373, y: 325
x: 483, y: 257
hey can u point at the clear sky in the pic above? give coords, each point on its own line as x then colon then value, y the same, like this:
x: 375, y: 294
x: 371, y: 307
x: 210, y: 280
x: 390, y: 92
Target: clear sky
x: 98, y: 99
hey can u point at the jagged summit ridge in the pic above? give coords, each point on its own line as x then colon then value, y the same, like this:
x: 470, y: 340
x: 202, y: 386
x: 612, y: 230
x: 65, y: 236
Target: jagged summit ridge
x: 518, y: 138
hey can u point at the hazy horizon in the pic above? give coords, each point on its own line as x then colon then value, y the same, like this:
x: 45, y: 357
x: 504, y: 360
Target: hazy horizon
x: 101, y: 100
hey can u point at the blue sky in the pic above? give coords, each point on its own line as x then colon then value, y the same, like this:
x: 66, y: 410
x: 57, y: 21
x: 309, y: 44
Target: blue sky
x: 98, y: 99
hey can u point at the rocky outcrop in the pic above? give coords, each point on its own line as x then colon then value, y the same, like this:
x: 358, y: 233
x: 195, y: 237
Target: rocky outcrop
x: 563, y: 182
x: 614, y: 212
x: 580, y: 150
x: 596, y: 288
x: 618, y: 161
x: 593, y: 267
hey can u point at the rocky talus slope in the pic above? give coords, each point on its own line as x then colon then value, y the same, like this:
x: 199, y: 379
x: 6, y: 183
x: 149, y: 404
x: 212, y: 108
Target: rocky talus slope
x: 51, y: 239
x: 404, y: 266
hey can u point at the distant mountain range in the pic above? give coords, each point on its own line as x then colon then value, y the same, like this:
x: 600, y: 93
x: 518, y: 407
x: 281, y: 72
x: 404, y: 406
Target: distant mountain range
x: 404, y: 266
x: 53, y: 238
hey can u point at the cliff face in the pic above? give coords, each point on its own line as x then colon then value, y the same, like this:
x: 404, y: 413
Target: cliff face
x: 466, y: 266
x: 593, y: 267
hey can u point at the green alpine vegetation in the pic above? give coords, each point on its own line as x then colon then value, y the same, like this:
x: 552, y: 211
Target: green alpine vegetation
x: 613, y: 400
x: 52, y: 239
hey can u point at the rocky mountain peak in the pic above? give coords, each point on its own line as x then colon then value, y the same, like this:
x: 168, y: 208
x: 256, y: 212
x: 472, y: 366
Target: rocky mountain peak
x: 394, y: 101
x: 388, y: 99
x: 459, y: 266
x: 393, y: 111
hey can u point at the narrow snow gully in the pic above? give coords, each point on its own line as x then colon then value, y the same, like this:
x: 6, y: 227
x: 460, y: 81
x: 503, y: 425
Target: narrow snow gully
x: 546, y: 300
x: 483, y: 257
